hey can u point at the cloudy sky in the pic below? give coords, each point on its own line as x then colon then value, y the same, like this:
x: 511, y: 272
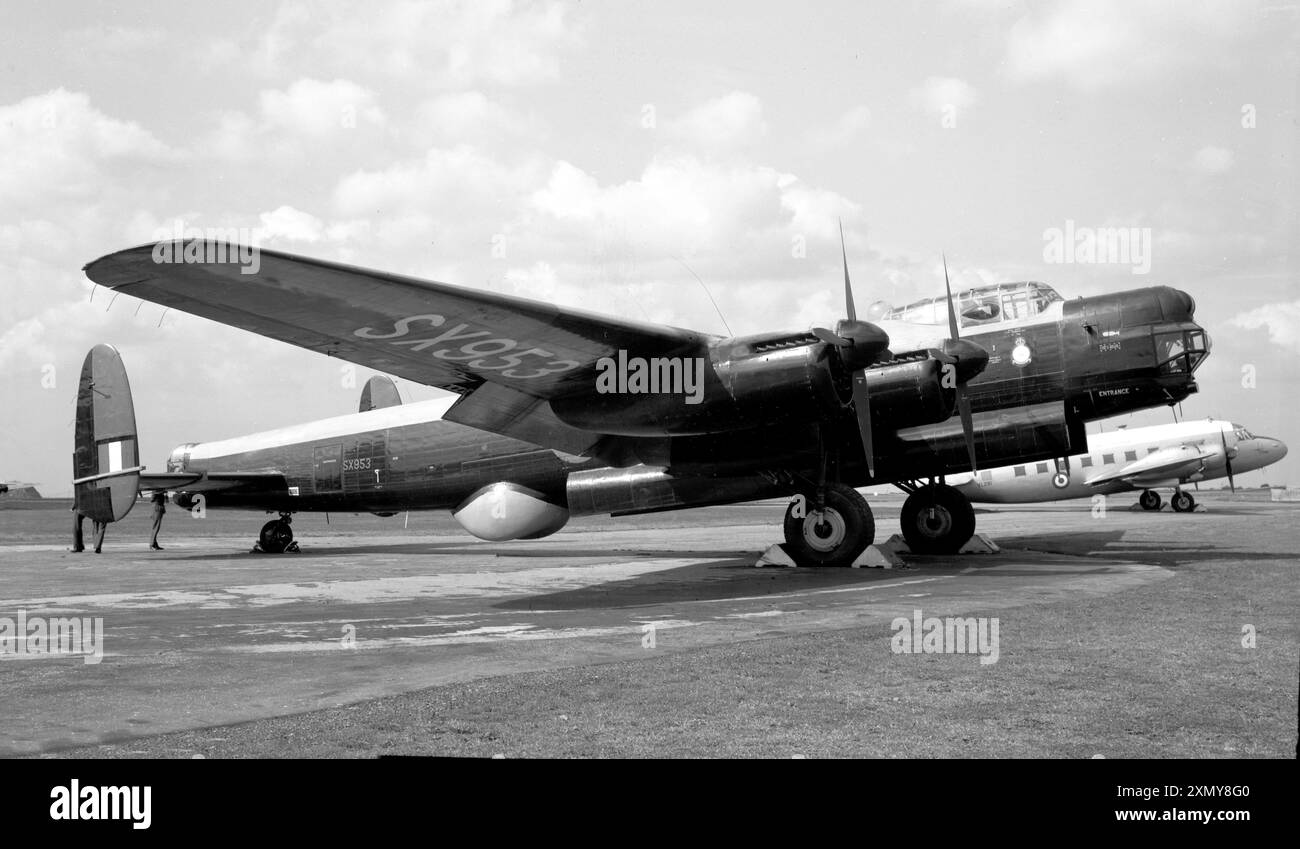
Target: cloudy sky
x: 587, y: 154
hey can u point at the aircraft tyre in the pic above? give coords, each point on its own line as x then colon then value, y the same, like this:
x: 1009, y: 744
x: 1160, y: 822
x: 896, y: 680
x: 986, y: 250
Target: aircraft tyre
x: 937, y: 519
x: 837, y: 535
x: 1150, y: 500
x: 1183, y: 502
x: 276, y: 536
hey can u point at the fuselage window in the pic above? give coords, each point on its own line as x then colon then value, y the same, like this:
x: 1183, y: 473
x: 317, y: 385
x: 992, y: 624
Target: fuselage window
x: 1086, y: 462
x: 1107, y: 459
x: 1041, y: 468
x: 1130, y: 455
x: 1020, y: 471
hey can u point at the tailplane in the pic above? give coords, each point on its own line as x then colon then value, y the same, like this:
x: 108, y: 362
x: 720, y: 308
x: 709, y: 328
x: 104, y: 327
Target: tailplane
x: 106, y: 458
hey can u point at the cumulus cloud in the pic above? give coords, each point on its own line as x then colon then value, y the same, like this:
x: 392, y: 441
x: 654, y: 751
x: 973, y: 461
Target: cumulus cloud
x: 849, y: 127
x: 445, y: 43
x: 57, y: 143
x: 1098, y: 43
x: 731, y: 121
x: 458, y: 182
x: 316, y: 108
x: 466, y: 116
x: 939, y: 94
x: 289, y: 224
x: 1213, y: 160
x: 1281, y: 321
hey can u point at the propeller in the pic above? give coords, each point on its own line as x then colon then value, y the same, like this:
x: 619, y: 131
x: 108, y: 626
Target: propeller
x: 1227, y: 460
x: 859, y: 344
x: 967, y: 360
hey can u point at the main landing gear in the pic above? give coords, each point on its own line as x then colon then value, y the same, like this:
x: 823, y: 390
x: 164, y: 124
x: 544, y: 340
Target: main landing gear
x: 1183, y: 501
x: 276, y: 537
x: 828, y: 523
x: 936, y: 518
x: 832, y: 534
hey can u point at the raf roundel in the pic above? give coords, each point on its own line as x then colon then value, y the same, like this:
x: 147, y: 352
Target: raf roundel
x: 1021, y: 355
x: 1060, y: 480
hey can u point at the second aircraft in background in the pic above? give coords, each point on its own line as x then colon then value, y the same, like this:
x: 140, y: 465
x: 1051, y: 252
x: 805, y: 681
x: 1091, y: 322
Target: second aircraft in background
x: 1127, y: 459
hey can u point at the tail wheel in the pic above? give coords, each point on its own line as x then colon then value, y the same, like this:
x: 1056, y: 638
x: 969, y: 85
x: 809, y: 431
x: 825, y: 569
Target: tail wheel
x: 937, y: 519
x: 834, y: 536
x: 275, y: 536
x: 1150, y: 499
x: 1183, y: 502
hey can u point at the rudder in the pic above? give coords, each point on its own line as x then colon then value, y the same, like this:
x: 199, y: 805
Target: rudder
x: 379, y: 392
x: 106, y: 458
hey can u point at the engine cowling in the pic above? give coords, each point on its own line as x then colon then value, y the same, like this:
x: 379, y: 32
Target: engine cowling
x: 910, y: 392
x: 744, y: 382
x: 504, y: 511
x: 753, y: 381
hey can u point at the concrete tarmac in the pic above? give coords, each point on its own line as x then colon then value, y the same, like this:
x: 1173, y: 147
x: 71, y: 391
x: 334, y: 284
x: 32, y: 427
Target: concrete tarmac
x: 205, y: 633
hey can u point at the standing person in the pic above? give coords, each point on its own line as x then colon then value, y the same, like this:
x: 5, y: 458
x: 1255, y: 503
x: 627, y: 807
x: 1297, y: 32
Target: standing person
x: 100, y: 528
x: 159, y: 508
x: 78, y: 542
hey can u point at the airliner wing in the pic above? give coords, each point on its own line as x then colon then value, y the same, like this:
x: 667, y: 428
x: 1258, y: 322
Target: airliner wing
x: 439, y: 335
x: 1166, y: 463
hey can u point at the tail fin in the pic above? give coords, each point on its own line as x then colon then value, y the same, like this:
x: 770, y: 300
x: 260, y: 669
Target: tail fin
x: 106, y: 461
x: 379, y: 392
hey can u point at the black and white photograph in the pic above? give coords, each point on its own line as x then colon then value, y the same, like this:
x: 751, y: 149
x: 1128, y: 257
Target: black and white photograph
x: 775, y: 381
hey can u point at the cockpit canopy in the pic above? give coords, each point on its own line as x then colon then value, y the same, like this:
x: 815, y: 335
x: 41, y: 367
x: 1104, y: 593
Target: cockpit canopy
x: 994, y: 304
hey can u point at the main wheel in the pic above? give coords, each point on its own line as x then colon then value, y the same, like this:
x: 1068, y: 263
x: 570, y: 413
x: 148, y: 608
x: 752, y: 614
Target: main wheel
x: 836, y: 535
x: 1183, y: 502
x: 275, y: 536
x: 1150, y: 499
x: 937, y: 519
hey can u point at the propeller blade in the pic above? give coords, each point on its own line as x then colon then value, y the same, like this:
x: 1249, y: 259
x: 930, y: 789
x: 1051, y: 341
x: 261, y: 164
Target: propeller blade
x: 848, y: 287
x: 830, y: 338
x: 975, y: 359
x: 952, y: 310
x: 1227, y: 461
x: 862, y: 406
x: 967, y: 424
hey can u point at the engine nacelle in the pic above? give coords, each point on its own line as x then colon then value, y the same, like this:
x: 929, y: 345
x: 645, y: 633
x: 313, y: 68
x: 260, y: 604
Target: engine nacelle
x: 910, y: 393
x: 744, y: 382
x: 503, y: 511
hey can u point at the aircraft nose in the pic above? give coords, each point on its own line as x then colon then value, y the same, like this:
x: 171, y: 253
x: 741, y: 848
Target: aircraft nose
x: 1267, y: 450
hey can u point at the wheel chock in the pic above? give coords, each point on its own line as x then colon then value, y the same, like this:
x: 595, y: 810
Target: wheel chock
x: 979, y: 544
x: 884, y: 556
x: 775, y: 555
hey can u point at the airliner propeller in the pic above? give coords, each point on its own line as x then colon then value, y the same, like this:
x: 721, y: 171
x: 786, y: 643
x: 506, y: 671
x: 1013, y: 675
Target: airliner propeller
x: 1227, y: 459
